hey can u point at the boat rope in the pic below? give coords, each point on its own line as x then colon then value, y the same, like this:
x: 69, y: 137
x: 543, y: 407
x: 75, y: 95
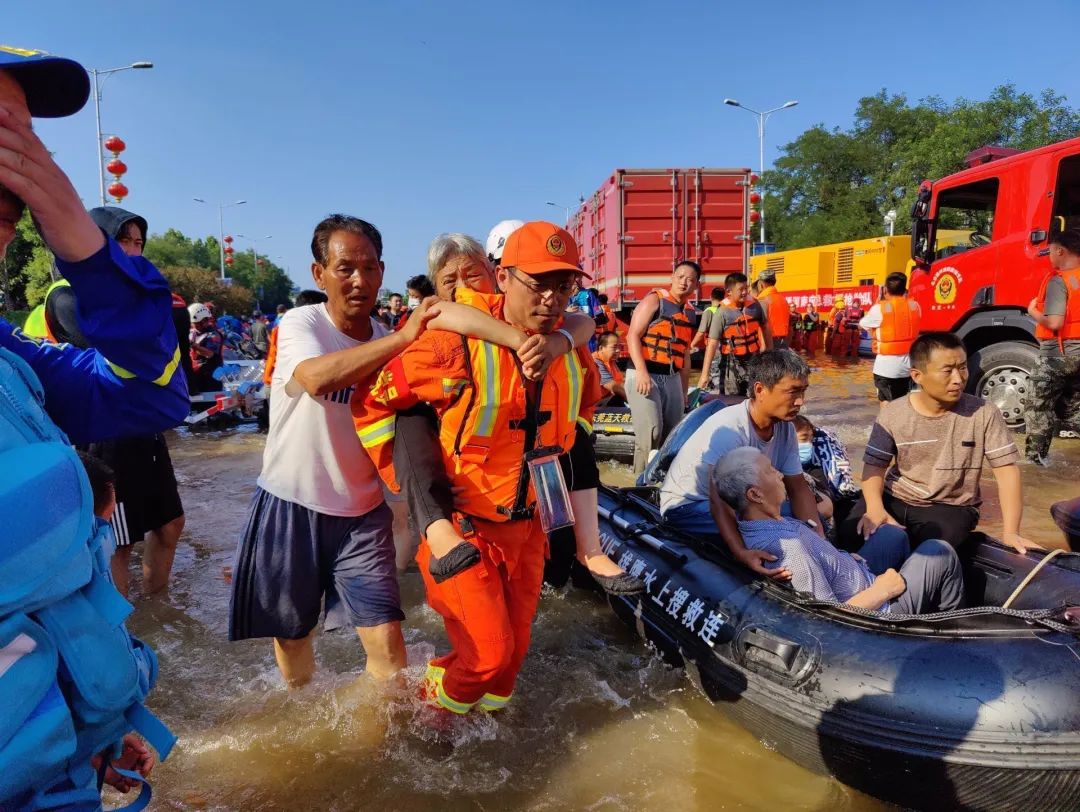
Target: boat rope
x: 1030, y: 576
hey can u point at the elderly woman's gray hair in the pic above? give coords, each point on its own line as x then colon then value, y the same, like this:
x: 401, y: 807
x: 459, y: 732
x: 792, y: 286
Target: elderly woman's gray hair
x: 446, y: 247
x: 734, y: 474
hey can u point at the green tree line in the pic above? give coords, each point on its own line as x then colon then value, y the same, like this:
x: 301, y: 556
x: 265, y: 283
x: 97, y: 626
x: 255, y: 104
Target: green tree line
x: 833, y: 185
x: 192, y: 268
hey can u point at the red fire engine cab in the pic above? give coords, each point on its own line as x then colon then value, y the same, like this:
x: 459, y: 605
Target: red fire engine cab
x: 1011, y: 202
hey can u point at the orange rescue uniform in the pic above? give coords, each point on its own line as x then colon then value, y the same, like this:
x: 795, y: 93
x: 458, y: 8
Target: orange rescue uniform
x: 900, y: 321
x: 777, y: 311
x: 1070, y: 329
x: 487, y: 416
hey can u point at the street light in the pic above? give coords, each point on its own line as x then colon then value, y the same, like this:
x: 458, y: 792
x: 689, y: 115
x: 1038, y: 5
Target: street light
x: 762, y: 117
x: 890, y: 220
x: 254, y: 240
x: 221, y: 228
x: 566, y: 209
x: 95, y: 73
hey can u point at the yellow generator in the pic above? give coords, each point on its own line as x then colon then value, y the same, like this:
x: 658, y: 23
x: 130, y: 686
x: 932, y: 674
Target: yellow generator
x: 849, y: 269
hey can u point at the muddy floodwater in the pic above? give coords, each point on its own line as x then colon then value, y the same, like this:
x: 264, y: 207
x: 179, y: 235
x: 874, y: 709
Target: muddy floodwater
x: 597, y: 722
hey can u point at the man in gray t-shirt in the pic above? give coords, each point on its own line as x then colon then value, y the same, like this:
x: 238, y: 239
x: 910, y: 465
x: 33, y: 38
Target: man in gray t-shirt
x: 778, y: 382
x: 1057, y: 373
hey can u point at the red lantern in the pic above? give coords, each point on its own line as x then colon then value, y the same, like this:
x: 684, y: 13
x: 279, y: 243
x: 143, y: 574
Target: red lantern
x: 755, y: 198
x: 258, y: 262
x: 228, y: 260
x: 115, y: 144
x: 116, y: 167
x: 753, y: 179
x: 229, y: 249
x: 118, y: 190
x: 228, y: 239
x: 755, y: 216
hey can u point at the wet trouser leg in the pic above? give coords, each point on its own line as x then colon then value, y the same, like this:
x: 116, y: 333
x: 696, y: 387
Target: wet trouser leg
x: 1050, y: 380
x: 887, y: 548
x: 488, y: 611
x: 647, y: 412
x: 654, y: 415
x: 934, y: 578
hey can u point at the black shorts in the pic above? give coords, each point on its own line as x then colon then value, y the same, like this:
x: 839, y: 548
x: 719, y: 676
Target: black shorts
x: 146, y: 494
x: 889, y: 389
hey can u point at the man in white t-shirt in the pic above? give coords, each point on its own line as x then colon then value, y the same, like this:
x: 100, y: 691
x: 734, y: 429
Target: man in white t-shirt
x: 777, y: 381
x: 318, y: 527
x: 894, y: 322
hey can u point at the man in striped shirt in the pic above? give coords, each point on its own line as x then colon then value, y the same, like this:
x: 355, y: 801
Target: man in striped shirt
x: 929, y: 580
x: 937, y: 440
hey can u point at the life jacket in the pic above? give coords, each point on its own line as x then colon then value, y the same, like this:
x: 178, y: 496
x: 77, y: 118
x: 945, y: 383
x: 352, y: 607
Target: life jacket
x: 1070, y: 330
x: 72, y: 677
x: 777, y: 311
x: 669, y: 333
x: 900, y: 319
x: 605, y: 320
x: 852, y: 316
x: 487, y: 422
x: 740, y: 336
x: 271, y: 357
x: 612, y: 368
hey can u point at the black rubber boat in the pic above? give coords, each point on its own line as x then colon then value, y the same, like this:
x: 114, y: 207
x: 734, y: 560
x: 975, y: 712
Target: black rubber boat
x: 613, y: 433
x: 973, y: 709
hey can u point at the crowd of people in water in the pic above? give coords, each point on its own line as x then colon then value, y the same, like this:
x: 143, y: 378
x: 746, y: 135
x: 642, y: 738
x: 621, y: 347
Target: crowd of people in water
x: 465, y: 403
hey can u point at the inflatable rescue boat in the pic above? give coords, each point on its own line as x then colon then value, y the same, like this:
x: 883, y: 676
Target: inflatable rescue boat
x: 977, y: 708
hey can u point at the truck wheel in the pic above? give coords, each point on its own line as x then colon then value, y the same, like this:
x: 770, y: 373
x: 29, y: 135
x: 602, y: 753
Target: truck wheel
x: 1001, y: 375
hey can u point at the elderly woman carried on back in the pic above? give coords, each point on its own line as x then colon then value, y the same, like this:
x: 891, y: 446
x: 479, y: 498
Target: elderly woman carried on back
x: 930, y: 580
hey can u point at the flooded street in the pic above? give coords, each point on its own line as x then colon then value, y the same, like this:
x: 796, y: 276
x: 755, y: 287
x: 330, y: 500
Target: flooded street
x: 597, y: 722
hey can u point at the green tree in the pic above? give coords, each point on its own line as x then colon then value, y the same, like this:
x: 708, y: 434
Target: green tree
x: 836, y: 185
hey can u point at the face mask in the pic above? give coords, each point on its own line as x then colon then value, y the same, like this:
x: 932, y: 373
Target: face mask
x: 806, y: 452
x: 413, y: 302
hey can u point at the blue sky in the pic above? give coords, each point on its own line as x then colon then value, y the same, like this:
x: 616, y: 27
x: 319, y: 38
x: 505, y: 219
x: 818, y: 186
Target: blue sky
x: 426, y: 117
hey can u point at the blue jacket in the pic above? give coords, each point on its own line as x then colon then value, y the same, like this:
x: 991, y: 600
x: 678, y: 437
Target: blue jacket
x: 131, y: 382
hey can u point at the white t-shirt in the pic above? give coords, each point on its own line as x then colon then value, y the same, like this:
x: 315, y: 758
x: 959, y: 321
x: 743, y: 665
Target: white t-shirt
x: 887, y: 366
x: 689, y: 477
x: 313, y: 456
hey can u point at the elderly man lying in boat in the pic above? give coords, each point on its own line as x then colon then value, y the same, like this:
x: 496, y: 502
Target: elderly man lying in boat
x: 930, y: 579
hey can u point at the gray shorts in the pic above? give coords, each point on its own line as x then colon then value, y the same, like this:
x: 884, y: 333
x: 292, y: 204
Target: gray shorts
x: 290, y: 558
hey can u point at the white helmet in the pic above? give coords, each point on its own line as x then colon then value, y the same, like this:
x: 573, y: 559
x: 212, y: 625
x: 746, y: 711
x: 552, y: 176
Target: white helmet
x: 497, y: 237
x: 198, y: 312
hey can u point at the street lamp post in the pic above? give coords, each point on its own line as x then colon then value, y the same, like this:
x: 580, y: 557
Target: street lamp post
x: 221, y: 228
x: 95, y: 73
x: 762, y: 117
x: 566, y: 210
x: 255, y: 261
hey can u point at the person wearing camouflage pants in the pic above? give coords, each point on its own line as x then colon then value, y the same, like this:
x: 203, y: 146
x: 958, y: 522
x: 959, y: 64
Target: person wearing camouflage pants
x: 1055, y: 384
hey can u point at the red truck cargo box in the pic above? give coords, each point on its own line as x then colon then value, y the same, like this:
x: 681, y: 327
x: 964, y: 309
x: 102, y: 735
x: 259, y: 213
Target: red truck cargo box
x: 640, y: 222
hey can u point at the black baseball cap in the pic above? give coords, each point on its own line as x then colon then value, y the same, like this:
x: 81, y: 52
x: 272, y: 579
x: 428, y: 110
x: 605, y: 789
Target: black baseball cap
x: 54, y: 86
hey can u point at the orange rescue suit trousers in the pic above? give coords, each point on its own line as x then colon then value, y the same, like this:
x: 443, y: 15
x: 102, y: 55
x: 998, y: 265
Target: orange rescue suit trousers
x: 488, y: 612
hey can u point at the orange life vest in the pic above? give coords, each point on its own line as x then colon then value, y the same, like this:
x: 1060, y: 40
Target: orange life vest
x: 485, y: 415
x: 670, y: 332
x: 741, y: 335
x: 271, y: 358
x: 852, y: 316
x: 612, y: 368
x: 1070, y: 330
x: 776, y: 311
x: 609, y: 326
x: 900, y: 319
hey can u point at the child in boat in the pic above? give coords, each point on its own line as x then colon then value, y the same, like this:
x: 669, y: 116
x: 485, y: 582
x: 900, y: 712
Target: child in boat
x: 825, y: 460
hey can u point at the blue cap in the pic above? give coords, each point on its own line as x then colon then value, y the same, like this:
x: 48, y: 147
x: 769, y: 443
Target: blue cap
x: 54, y: 86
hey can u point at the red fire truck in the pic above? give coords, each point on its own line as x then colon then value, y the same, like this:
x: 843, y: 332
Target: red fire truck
x: 640, y: 222
x: 1011, y: 202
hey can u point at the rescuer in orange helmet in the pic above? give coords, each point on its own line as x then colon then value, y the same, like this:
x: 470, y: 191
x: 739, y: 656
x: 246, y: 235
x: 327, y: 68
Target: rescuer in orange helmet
x: 490, y: 418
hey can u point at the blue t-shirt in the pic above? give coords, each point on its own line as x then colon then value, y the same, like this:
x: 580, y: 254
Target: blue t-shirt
x: 690, y: 475
x: 816, y: 566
